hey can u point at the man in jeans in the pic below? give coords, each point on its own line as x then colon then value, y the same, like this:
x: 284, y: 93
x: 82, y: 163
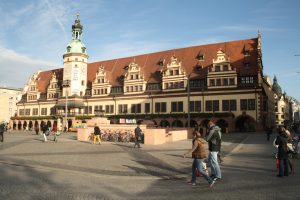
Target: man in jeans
x: 214, y: 145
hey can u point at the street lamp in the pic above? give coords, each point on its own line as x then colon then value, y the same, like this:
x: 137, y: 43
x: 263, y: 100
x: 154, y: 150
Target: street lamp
x: 66, y: 84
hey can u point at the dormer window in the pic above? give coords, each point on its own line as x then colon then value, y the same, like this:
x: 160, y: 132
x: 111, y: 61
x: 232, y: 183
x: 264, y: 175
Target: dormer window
x: 198, y: 68
x: 247, y: 64
x: 200, y: 56
x: 68, y: 49
x: 217, y: 68
x: 83, y: 49
x: 247, y: 53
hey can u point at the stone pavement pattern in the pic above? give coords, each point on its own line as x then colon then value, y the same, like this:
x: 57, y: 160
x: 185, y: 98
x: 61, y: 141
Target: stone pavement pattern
x: 32, y: 169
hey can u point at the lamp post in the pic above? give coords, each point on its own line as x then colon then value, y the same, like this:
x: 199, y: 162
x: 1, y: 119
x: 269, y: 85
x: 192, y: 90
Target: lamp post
x: 66, y: 84
x: 189, y: 95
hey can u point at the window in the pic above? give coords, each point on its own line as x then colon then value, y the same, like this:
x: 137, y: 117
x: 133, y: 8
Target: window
x: 231, y: 81
x: 216, y: 105
x: 90, y: 109
x: 233, y: 105
x: 181, y: 84
x: 225, y: 81
x: 109, y: 109
x: 27, y: 111
x: 225, y: 68
x: 35, y: 111
x: 160, y: 107
x: 171, y: 72
x: 195, y: 106
x: 136, y: 108
x: 153, y: 86
x: 82, y: 83
x: 247, y: 80
x: 131, y: 76
x: 116, y: 89
x: 217, y: 68
x: 21, y: 112
x: 177, y: 106
x: 44, y: 111
x: 123, y: 108
x: 251, y: 104
x: 176, y: 72
x: 208, y: 105
x: 147, y: 107
x: 212, y: 82
x: 243, y: 104
x: 141, y: 88
x: 229, y: 105
x: 225, y: 105
x: 218, y: 82
x: 136, y: 76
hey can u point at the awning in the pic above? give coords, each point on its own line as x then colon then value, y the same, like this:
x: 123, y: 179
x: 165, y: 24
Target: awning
x: 71, y: 104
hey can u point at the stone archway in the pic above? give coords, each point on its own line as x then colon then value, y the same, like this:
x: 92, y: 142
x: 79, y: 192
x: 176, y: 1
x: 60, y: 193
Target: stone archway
x: 245, y: 123
x: 24, y: 125
x: 177, y: 123
x: 223, y: 124
x: 19, y: 125
x: 193, y: 124
x: 164, y: 123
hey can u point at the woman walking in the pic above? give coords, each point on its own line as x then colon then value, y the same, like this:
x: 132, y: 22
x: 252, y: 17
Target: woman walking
x: 282, y: 154
x: 198, y: 154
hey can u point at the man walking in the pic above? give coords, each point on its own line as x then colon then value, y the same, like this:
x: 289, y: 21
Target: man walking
x: 2, y: 129
x: 97, y: 133
x: 138, y: 136
x: 214, y: 145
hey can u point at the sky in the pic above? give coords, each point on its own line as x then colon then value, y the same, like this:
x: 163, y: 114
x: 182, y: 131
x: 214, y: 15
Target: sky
x: 34, y: 33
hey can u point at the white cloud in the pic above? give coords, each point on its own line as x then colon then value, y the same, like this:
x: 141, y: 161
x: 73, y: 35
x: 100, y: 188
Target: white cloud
x: 17, y: 68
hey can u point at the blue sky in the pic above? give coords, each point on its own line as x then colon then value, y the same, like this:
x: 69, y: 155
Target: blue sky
x: 35, y: 33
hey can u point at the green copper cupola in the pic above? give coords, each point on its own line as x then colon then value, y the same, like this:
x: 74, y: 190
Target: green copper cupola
x: 76, y: 45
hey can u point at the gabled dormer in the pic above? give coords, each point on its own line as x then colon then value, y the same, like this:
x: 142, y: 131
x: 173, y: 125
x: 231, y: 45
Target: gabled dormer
x: 174, y: 77
x: 134, y: 79
x: 221, y: 74
x: 32, y: 92
x: 101, y: 85
x: 53, y: 90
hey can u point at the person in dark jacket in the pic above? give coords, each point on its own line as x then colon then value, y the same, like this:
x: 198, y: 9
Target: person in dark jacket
x: 198, y: 154
x: 138, y: 136
x: 45, y: 131
x: 2, y: 129
x: 214, y: 146
x: 282, y: 153
x: 97, y: 133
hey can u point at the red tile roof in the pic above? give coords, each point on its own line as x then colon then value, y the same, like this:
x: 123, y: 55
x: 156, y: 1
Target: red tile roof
x: 150, y: 63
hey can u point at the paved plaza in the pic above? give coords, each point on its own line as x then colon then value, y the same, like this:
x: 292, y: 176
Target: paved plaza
x: 68, y: 169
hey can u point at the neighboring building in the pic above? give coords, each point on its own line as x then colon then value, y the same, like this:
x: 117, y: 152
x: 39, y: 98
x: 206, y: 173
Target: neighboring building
x: 223, y: 81
x: 8, y: 100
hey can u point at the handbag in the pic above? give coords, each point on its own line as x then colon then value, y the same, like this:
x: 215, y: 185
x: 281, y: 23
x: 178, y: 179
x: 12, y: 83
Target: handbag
x: 139, y: 138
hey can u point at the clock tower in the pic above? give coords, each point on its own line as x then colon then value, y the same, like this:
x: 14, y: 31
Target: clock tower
x: 75, y: 63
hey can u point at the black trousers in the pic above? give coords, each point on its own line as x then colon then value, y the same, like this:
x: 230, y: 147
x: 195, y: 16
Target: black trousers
x: 1, y: 137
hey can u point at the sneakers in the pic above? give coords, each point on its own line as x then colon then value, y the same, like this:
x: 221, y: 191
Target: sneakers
x: 191, y: 183
x: 212, y: 184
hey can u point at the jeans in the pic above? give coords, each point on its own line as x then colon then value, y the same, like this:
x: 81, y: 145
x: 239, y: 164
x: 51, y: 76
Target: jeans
x: 283, y: 167
x: 137, y: 143
x: 214, y: 165
x: 198, y: 164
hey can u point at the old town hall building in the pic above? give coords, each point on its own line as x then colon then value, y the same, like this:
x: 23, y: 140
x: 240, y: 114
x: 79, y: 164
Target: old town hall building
x: 174, y: 88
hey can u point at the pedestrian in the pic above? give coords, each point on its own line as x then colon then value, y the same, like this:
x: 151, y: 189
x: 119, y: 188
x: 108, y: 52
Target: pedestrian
x: 282, y: 153
x: 198, y: 154
x: 291, y: 150
x: 214, y: 146
x: 54, y: 132
x: 269, y: 132
x: 36, y: 129
x: 97, y: 133
x: 138, y: 136
x: 2, y: 129
x: 45, y: 131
